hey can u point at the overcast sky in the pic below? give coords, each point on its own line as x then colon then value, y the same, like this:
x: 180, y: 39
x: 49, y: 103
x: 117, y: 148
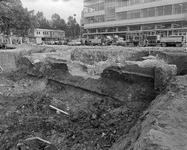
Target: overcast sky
x: 64, y: 8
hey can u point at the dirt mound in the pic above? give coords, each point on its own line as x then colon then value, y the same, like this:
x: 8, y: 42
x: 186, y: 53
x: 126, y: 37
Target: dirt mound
x: 163, y: 125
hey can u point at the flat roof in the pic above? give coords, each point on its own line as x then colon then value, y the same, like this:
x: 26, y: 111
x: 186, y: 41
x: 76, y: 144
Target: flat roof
x: 49, y: 30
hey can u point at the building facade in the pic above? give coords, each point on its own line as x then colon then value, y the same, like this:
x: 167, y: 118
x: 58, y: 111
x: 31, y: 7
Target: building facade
x: 41, y: 35
x: 134, y: 17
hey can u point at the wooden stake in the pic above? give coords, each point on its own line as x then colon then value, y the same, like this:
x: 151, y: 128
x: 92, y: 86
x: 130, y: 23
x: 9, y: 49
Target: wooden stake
x: 59, y: 110
x: 38, y: 138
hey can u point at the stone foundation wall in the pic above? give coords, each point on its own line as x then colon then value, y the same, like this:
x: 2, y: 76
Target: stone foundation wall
x: 8, y: 60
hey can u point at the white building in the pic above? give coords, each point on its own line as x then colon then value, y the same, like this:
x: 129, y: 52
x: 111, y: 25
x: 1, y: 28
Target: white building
x: 135, y: 17
x: 40, y: 35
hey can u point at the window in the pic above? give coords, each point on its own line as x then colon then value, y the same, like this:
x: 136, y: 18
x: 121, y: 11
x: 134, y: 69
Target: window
x: 101, y: 18
x: 134, y: 28
x: 96, y: 7
x: 168, y: 10
x: 119, y: 3
x: 91, y: 20
x: 177, y: 8
x: 111, y: 29
x: 144, y: 13
x: 86, y: 20
x: 101, y: 30
x: 96, y: 19
x: 132, y: 2
x: 91, y: 8
x: 164, y: 26
x: 110, y: 2
x: 119, y: 16
x: 125, y: 2
x: 101, y: 6
x: 149, y: 27
x: 136, y: 1
x: 151, y: 12
x: 137, y: 14
x: 184, y: 24
x: 130, y: 15
x: 160, y: 11
x: 92, y: 31
x: 122, y: 28
x: 110, y: 13
x: 184, y: 8
x: 177, y: 24
x: 122, y: 16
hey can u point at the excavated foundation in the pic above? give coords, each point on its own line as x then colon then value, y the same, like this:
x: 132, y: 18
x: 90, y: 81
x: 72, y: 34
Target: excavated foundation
x: 94, y: 120
x: 88, y: 102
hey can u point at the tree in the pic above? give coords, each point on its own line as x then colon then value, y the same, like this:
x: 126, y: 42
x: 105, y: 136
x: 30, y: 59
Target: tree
x: 77, y: 29
x: 13, y: 17
x: 73, y: 28
x: 18, y: 20
x: 42, y: 22
x: 21, y: 22
x: 58, y: 23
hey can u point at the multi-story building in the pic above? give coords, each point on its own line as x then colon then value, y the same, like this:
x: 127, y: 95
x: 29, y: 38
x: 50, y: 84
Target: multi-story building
x: 135, y: 17
x: 41, y: 35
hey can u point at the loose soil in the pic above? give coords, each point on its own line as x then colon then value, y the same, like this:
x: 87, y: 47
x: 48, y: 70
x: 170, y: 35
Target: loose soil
x: 94, y: 122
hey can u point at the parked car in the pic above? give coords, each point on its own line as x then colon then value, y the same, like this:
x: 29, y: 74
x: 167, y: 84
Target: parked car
x: 120, y: 42
x: 74, y: 43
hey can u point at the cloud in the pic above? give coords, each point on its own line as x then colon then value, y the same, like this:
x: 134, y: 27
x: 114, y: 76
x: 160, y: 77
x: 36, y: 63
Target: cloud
x: 61, y: 0
x: 49, y: 0
x: 64, y: 8
x: 31, y: 0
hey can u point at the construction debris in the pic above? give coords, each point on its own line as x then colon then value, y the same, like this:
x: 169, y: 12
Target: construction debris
x: 38, y: 138
x: 58, y: 110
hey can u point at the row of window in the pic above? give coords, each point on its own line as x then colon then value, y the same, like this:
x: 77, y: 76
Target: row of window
x: 94, y: 19
x: 118, y: 3
x: 152, y: 12
x: 47, y: 33
x: 141, y: 13
x: 94, y: 7
x: 121, y: 3
x: 173, y: 25
x: 44, y: 33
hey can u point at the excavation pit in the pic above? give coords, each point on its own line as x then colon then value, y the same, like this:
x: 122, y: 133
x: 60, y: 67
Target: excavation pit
x: 68, y: 104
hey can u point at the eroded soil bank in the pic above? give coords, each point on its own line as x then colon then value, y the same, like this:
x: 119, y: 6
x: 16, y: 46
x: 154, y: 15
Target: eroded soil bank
x: 105, y: 101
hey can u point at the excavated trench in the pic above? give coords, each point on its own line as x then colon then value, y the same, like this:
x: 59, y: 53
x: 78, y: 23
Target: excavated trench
x: 95, y: 121
x: 76, y: 112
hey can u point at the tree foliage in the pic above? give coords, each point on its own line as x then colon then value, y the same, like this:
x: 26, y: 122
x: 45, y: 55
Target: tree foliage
x: 58, y: 23
x: 16, y: 19
x: 73, y: 29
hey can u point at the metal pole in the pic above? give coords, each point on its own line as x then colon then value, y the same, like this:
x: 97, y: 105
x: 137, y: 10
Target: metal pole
x: 74, y: 26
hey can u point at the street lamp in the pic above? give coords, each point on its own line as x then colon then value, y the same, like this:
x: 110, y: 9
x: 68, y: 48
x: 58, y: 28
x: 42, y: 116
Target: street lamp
x: 74, y: 26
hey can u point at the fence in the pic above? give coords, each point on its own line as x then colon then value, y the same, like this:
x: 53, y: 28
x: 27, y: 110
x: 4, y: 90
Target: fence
x: 12, y: 40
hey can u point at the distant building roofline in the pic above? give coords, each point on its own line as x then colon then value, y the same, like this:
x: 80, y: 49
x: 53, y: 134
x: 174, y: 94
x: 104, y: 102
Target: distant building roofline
x: 48, y: 30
